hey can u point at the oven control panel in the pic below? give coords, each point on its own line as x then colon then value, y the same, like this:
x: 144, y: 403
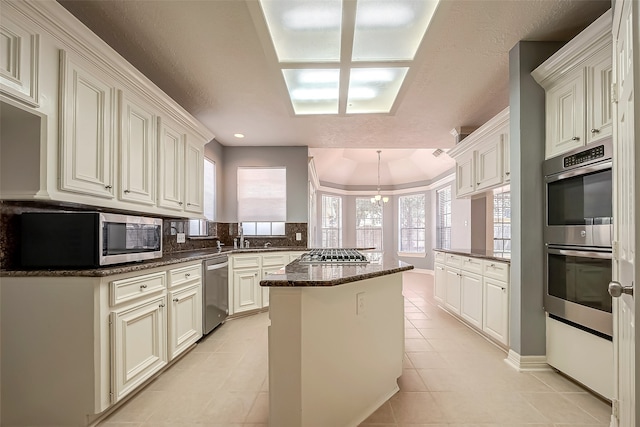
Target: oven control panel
x: 584, y: 156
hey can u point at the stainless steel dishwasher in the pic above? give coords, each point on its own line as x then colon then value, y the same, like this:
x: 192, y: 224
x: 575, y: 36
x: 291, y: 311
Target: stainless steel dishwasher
x: 215, y: 296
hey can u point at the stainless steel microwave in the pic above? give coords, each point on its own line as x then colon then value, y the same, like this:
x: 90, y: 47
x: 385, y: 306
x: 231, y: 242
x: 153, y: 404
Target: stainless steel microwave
x: 87, y: 239
x: 578, y: 193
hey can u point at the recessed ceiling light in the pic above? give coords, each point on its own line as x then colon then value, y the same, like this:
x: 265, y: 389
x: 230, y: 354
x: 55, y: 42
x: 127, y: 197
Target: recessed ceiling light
x: 238, y: 135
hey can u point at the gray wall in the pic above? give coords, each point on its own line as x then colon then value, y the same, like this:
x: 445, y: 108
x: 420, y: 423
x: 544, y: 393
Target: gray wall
x: 527, y: 135
x: 294, y: 158
x: 214, y: 152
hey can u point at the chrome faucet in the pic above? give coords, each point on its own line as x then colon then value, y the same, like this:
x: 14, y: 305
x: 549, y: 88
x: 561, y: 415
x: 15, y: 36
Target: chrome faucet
x: 266, y: 245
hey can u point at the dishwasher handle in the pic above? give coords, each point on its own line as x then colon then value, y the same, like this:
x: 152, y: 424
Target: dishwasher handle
x: 217, y: 266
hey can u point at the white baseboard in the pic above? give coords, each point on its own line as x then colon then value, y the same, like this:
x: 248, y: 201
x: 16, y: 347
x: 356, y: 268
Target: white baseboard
x: 527, y: 363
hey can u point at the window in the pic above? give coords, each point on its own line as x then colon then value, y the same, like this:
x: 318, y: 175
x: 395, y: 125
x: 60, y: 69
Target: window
x: 443, y: 221
x: 331, y: 221
x: 262, y: 200
x: 412, y: 220
x: 209, y: 189
x: 369, y: 225
x: 502, y: 222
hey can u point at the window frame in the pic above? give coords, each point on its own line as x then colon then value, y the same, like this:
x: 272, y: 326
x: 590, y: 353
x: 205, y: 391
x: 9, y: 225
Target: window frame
x: 501, y: 195
x: 415, y: 226
x: 323, y: 216
x: 377, y: 253
x: 443, y: 232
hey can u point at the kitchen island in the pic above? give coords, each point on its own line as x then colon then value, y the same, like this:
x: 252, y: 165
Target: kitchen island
x: 336, y: 341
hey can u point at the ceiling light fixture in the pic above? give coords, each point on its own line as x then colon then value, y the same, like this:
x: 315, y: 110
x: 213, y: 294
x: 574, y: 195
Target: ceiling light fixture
x: 378, y: 197
x: 238, y: 135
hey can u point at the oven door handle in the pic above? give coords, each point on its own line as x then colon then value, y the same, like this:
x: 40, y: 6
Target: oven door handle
x: 584, y: 253
x: 578, y: 171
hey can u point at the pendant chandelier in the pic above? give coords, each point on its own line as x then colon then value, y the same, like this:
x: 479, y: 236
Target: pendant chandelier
x: 378, y: 198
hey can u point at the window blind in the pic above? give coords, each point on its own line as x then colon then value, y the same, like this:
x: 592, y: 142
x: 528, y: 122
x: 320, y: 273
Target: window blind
x: 262, y: 194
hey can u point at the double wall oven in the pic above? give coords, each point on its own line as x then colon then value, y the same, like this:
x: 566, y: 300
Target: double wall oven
x: 578, y: 234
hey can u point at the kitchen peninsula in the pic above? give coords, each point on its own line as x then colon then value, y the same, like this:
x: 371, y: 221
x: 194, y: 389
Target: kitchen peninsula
x: 336, y: 341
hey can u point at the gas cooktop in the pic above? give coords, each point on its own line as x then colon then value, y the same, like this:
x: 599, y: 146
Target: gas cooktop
x: 333, y: 256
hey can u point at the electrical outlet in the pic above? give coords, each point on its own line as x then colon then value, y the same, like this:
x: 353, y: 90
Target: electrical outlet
x: 298, y: 236
x: 181, y: 237
x: 360, y: 304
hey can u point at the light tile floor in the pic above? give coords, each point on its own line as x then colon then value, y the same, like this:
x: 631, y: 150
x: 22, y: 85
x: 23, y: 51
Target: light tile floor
x: 452, y: 377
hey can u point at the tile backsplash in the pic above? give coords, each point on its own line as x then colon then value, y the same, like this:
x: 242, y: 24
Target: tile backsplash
x: 224, y: 232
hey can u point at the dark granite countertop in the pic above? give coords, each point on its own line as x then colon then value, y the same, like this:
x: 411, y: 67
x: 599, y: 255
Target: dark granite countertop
x: 297, y: 274
x: 478, y: 253
x: 169, y: 259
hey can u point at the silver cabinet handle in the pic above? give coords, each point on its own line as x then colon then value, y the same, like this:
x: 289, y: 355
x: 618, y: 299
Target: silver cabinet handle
x: 161, y: 305
x: 477, y: 183
x: 108, y: 187
x: 127, y: 191
x: 507, y: 173
x: 492, y: 265
x: 143, y: 287
x: 176, y: 300
x: 180, y: 203
x: 575, y: 138
x: 187, y: 274
x: 616, y: 289
x: 595, y: 130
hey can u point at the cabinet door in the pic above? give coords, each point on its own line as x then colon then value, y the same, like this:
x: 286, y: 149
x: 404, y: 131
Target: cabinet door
x: 86, y: 133
x: 599, y: 107
x: 171, y: 171
x: 506, y: 149
x: 495, y: 316
x: 565, y: 112
x: 489, y: 163
x: 185, y: 318
x: 246, y: 290
x: 452, y: 293
x: 138, y: 344
x: 471, y: 298
x: 19, y: 53
x: 465, y: 178
x: 439, y: 283
x: 137, y: 152
x: 194, y: 179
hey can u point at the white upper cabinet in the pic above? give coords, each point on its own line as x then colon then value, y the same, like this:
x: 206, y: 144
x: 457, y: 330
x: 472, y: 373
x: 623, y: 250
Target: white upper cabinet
x: 489, y: 163
x: 19, y: 56
x: 86, y: 129
x: 137, y: 151
x: 171, y: 172
x: 194, y: 176
x: 577, y: 82
x: 482, y: 158
x: 81, y: 123
x: 565, y: 115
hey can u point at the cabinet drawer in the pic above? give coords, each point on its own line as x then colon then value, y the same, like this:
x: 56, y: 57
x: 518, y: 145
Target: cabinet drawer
x: 275, y: 260
x: 439, y: 257
x: 473, y: 265
x: 453, y: 260
x: 178, y: 276
x: 135, y: 287
x: 246, y: 261
x: 496, y: 270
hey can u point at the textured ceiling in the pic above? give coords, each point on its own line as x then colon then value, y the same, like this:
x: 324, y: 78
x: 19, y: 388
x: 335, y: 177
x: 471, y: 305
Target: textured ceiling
x: 213, y: 58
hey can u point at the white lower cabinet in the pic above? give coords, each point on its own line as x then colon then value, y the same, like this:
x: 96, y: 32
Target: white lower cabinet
x: 138, y: 344
x: 185, y: 318
x: 471, y: 298
x: 246, y: 272
x: 439, y: 284
x: 246, y: 289
x: 452, y: 296
x: 495, y: 316
x: 476, y: 290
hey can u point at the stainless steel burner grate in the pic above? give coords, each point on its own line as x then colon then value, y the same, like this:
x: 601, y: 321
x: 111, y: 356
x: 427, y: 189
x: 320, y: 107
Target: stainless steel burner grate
x: 333, y: 256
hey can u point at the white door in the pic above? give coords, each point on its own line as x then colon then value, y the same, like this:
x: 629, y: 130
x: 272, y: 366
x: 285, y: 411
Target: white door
x: 625, y: 36
x: 185, y: 318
